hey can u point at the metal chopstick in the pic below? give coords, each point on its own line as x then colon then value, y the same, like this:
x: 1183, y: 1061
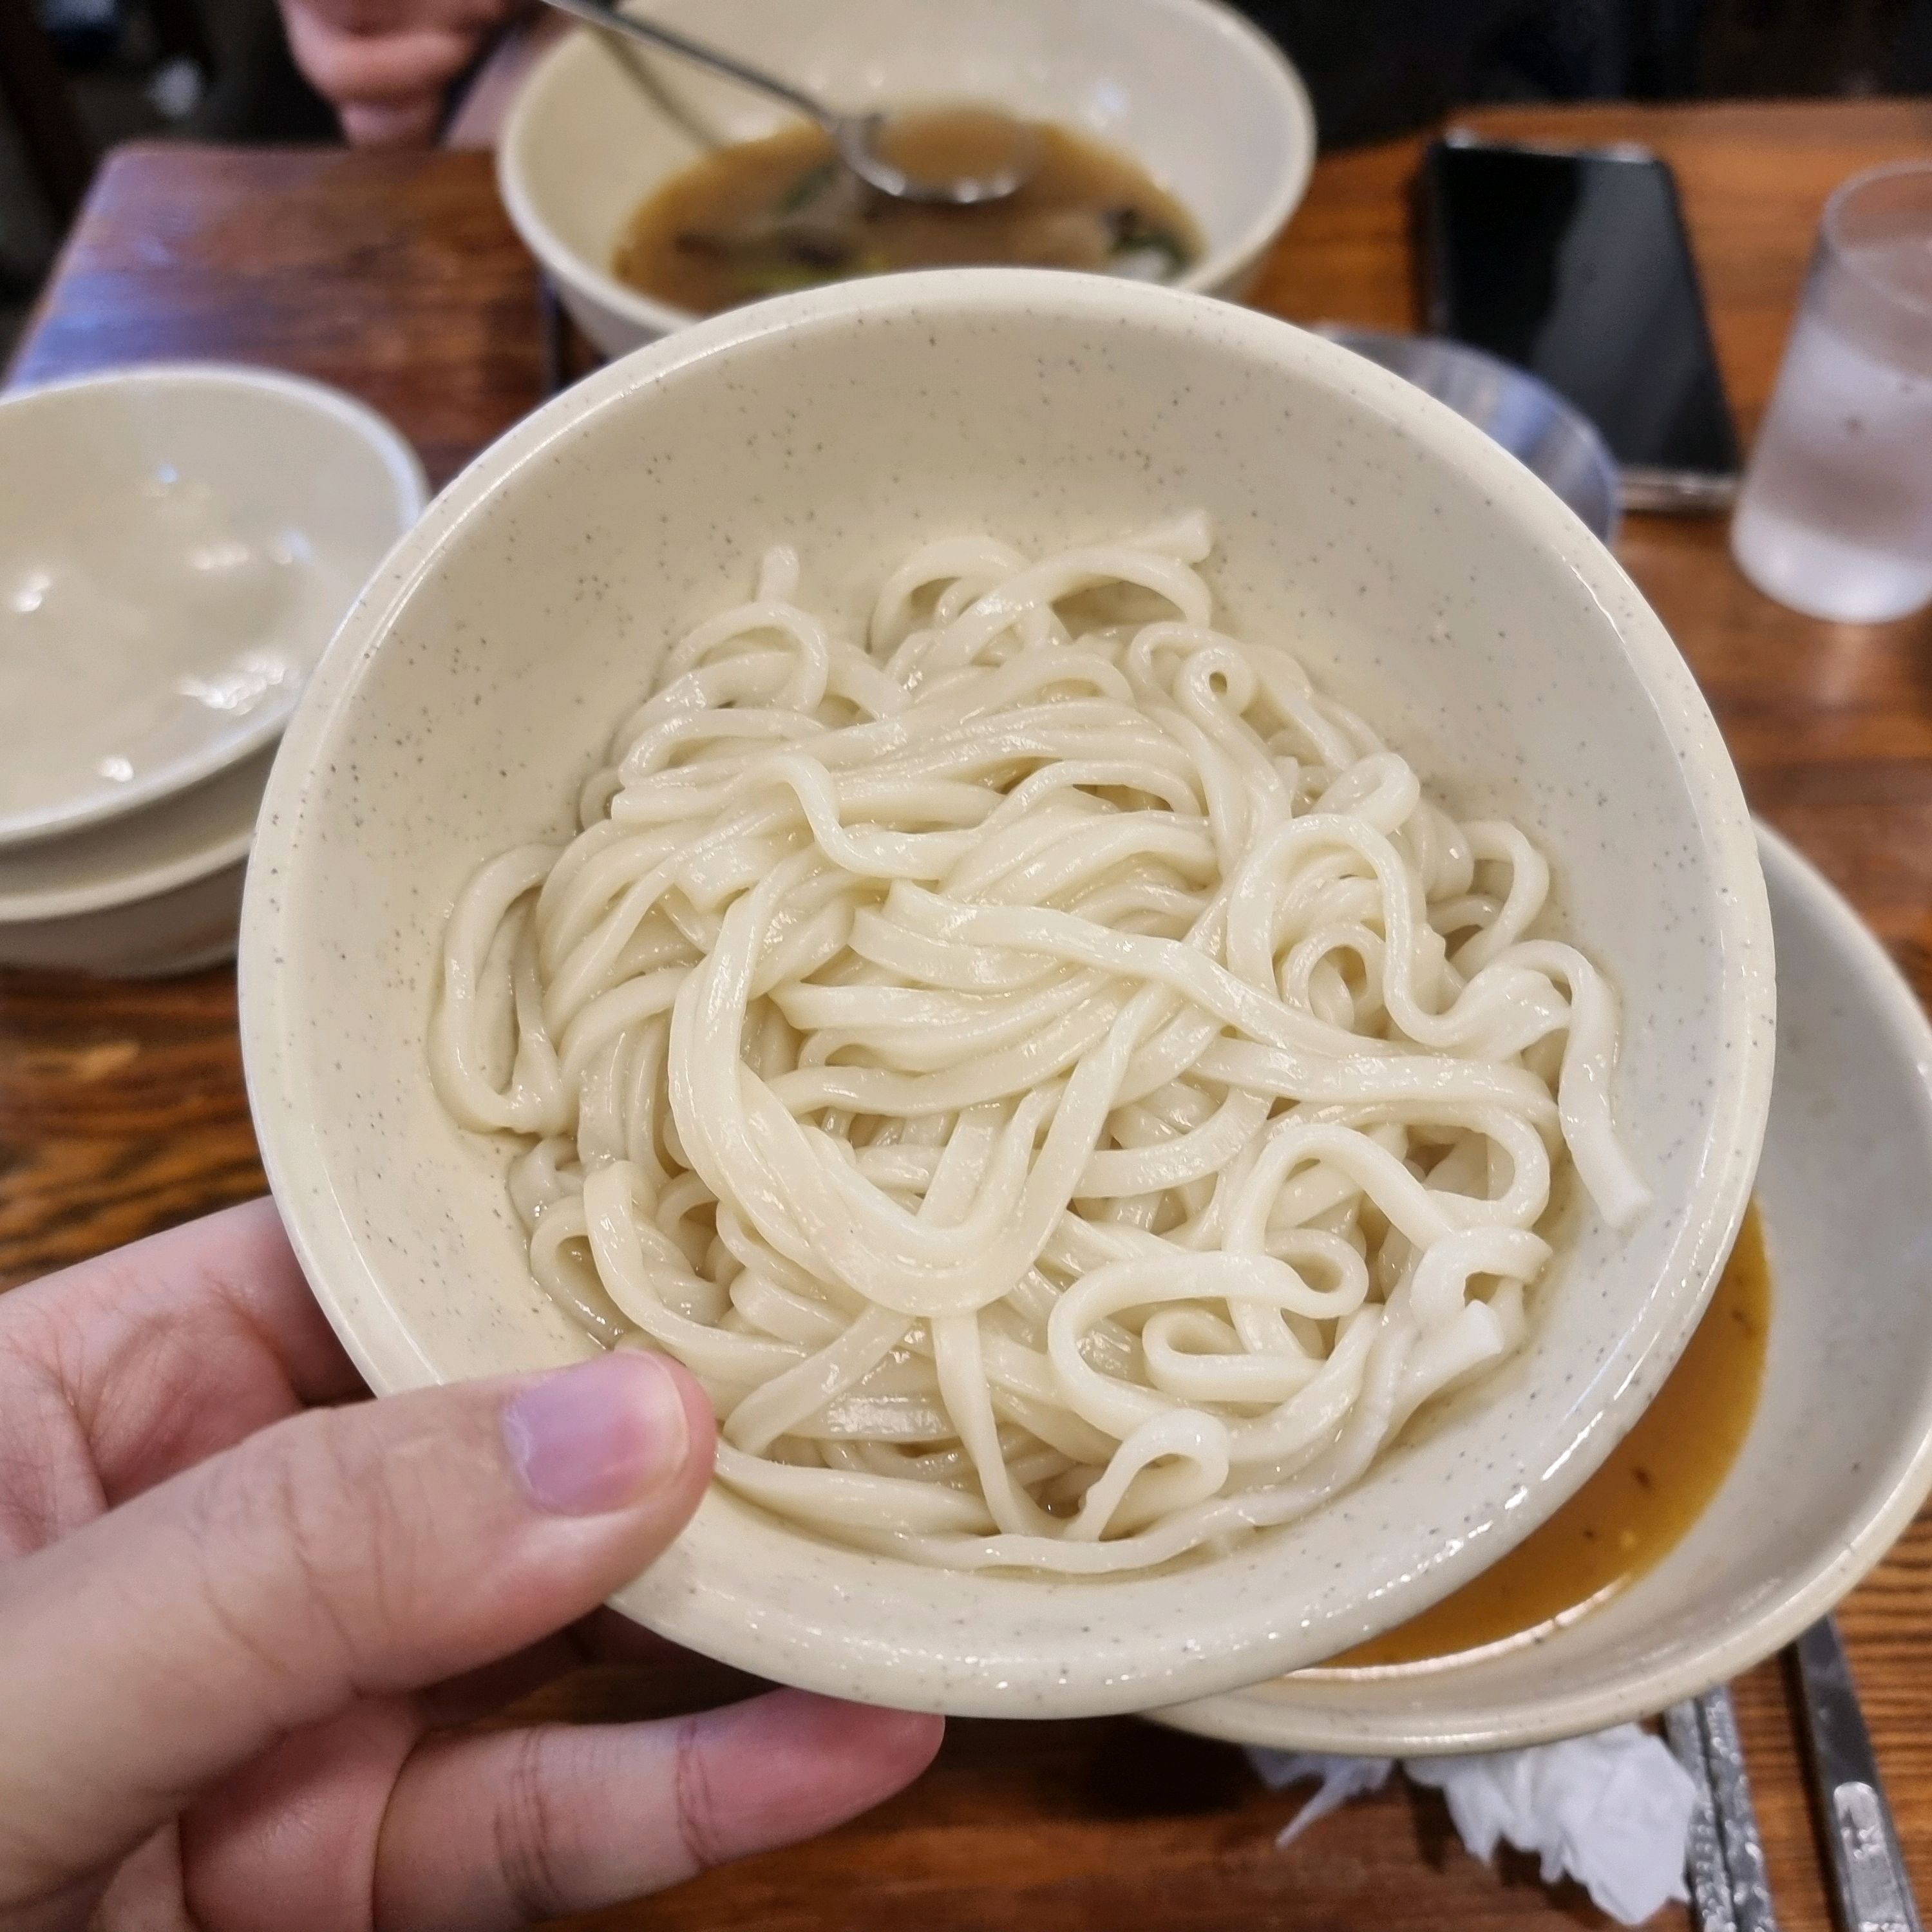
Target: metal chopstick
x: 1736, y: 1816
x: 1729, y: 1886
x: 1710, y: 1882
x: 1873, y: 1889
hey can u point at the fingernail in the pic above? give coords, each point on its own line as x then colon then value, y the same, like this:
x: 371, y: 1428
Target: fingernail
x: 600, y: 1436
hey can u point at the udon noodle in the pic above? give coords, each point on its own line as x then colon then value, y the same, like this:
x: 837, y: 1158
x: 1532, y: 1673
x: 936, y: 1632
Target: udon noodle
x: 1049, y: 1071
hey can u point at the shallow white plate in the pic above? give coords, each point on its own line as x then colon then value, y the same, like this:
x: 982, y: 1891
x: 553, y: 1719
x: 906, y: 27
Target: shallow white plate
x: 198, y: 831
x: 1839, y: 1456
x: 157, y: 891
x: 176, y: 545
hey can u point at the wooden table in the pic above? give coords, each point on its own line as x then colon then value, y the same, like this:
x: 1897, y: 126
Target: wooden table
x: 121, y: 1108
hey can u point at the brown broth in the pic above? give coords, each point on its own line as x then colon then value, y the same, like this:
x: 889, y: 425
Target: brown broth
x: 1630, y: 1515
x: 763, y: 216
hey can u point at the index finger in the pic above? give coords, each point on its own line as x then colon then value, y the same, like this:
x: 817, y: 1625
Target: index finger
x: 175, y: 1347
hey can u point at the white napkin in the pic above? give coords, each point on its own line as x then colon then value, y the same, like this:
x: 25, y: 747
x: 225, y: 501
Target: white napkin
x: 1613, y: 1811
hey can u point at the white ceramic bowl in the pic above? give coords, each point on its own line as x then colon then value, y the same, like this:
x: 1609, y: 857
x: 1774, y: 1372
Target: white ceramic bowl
x: 1204, y: 100
x: 1421, y: 572
x: 1839, y: 1456
x: 157, y: 892
x: 177, y: 542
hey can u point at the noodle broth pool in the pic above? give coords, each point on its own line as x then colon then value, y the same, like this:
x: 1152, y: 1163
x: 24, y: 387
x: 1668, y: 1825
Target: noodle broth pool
x: 762, y: 216
x: 1628, y: 1517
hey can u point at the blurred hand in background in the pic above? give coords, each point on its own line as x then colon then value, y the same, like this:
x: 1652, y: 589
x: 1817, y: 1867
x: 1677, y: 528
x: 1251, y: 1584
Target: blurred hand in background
x: 387, y: 66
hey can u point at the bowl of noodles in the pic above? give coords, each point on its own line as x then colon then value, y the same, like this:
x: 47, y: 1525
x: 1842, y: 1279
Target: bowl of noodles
x: 1126, y: 937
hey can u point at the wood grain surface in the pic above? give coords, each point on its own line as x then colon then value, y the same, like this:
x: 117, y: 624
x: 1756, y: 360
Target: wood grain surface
x: 121, y: 1108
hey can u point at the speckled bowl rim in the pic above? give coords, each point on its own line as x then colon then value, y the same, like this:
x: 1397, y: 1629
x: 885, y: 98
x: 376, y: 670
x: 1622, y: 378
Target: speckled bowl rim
x: 830, y: 1642
x: 411, y: 485
x: 565, y: 265
x: 1727, y: 1650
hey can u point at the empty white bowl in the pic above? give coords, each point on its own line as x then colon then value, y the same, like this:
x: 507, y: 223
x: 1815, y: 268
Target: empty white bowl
x: 1202, y: 99
x: 1420, y: 572
x: 1839, y: 1455
x: 176, y: 544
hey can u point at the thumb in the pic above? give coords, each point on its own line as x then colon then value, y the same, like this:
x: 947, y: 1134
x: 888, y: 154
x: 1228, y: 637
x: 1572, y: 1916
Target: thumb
x: 371, y: 1548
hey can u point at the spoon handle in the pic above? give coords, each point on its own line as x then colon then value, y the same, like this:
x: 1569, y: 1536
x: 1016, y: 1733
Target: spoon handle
x: 1874, y: 1894
x: 651, y: 34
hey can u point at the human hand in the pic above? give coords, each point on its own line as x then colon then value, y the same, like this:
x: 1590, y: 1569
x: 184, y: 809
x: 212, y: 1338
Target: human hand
x: 385, y: 64
x: 239, y: 1610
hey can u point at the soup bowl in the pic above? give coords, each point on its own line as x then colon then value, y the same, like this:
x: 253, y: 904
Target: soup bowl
x: 1202, y: 100
x: 1421, y: 573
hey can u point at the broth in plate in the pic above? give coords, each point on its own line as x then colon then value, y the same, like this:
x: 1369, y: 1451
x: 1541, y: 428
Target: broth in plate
x: 763, y: 216
x: 1628, y: 1516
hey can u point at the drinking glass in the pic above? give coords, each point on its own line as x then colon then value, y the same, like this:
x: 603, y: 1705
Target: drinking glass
x: 1835, y: 515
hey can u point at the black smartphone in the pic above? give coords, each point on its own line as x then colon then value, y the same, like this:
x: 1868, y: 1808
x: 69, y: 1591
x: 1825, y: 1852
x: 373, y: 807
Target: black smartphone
x: 1574, y: 264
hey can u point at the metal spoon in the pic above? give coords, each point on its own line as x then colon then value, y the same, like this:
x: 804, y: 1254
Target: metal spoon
x: 1011, y: 146
x: 1874, y: 1889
